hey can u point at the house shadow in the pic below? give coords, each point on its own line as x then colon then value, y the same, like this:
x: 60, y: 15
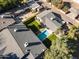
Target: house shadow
x: 34, y: 43
x: 57, y: 15
x: 2, y: 51
x: 68, y: 4
x: 47, y: 43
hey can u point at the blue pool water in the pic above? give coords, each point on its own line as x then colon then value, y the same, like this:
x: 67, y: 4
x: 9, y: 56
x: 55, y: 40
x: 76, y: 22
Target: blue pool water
x: 43, y: 35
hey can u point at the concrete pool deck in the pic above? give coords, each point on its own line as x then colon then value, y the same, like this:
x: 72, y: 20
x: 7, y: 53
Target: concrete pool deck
x: 44, y: 34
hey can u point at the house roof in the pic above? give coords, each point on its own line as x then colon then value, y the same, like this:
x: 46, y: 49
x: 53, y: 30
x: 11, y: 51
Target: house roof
x: 2, y: 42
x: 35, y: 45
x: 34, y: 5
x: 4, y: 22
x: 50, y: 20
x: 73, y: 13
x: 45, y: 13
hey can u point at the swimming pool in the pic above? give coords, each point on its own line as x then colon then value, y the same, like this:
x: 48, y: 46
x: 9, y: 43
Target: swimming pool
x: 43, y: 35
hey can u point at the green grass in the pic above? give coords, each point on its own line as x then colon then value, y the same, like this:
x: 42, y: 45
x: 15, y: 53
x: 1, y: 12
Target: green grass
x: 52, y: 37
x: 37, y: 24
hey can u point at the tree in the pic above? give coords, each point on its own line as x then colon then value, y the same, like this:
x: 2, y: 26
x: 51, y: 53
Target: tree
x: 66, y: 6
x: 57, y: 3
x: 23, y: 1
x: 8, y: 4
x: 64, y: 48
x: 77, y: 33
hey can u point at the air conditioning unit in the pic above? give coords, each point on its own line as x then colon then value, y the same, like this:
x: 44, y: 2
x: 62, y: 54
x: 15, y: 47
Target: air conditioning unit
x: 15, y: 30
x: 25, y: 44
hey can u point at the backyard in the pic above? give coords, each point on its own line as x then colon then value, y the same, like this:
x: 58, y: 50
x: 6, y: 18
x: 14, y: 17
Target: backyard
x: 65, y: 47
x: 41, y: 31
x: 52, y: 37
x: 36, y: 26
x: 36, y: 23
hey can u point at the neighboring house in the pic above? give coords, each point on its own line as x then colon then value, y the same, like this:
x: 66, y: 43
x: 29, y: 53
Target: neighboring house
x: 8, y: 45
x: 73, y: 13
x: 34, y: 6
x: 50, y: 20
x: 4, y: 22
x: 21, y: 10
x: 2, y: 43
x: 27, y: 40
x: 74, y: 3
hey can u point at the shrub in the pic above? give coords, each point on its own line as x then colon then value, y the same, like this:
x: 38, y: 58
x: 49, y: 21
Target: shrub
x: 57, y: 3
x: 66, y: 6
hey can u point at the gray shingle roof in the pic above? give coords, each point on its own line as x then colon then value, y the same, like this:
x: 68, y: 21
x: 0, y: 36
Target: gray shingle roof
x: 33, y: 5
x: 51, y: 20
x: 35, y: 45
x: 46, y: 13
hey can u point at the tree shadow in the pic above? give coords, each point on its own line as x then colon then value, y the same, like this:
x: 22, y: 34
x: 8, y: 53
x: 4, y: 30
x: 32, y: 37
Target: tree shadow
x: 67, y: 4
x: 57, y: 15
x: 47, y: 43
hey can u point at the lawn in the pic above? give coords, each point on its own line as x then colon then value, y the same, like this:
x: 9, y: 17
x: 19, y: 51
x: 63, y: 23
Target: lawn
x: 52, y: 37
x: 37, y: 24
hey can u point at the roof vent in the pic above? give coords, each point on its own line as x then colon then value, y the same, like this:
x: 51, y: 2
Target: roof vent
x: 25, y: 44
x: 15, y: 30
x: 51, y: 18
